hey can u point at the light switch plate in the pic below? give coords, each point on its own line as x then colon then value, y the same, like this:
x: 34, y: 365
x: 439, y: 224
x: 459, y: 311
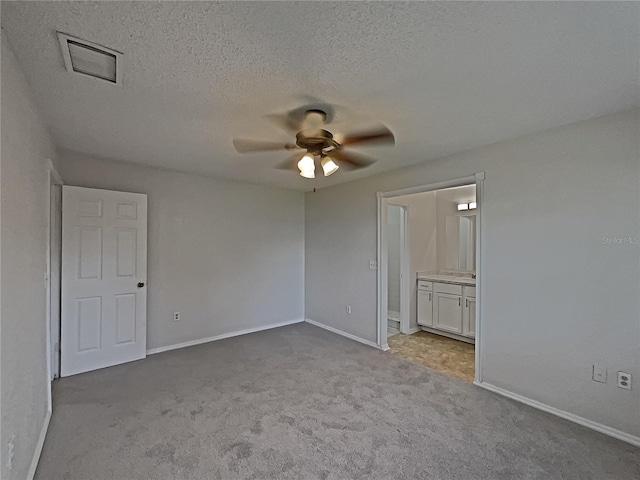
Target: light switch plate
x: 373, y: 264
x: 599, y: 374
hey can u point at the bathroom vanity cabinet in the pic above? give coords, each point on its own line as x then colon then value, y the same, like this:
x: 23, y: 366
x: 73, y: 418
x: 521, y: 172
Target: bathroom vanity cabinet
x: 447, y: 307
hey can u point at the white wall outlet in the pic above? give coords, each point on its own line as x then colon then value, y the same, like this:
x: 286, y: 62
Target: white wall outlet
x: 373, y: 264
x: 624, y: 380
x: 11, y: 451
x: 176, y: 316
x: 349, y: 309
x: 599, y: 374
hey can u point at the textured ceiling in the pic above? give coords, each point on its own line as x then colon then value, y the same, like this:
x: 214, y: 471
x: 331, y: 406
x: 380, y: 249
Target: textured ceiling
x: 445, y: 77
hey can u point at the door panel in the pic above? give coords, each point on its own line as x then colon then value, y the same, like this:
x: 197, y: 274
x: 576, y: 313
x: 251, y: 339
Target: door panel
x: 126, y: 210
x: 125, y: 318
x: 89, y: 253
x: 126, y: 252
x: 104, y: 257
x: 90, y: 208
x: 89, y: 311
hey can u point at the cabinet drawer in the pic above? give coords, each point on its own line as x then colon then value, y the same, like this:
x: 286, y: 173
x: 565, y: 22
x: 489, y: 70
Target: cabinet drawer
x: 448, y: 288
x: 470, y: 292
x: 425, y: 285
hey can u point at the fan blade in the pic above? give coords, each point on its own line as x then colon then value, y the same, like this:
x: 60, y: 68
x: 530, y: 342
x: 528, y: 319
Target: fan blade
x: 350, y: 160
x: 379, y: 135
x: 291, y: 163
x: 244, y: 146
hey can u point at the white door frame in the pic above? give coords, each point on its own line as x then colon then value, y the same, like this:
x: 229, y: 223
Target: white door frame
x: 405, y: 288
x: 54, y: 178
x: 382, y: 202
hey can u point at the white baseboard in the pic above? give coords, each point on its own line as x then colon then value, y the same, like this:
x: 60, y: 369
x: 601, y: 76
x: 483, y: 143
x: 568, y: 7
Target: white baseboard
x: 191, y: 343
x: 38, y: 451
x: 414, y: 330
x: 585, y: 422
x: 344, y: 334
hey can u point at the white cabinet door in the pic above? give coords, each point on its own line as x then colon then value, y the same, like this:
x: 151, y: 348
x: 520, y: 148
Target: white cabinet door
x: 104, y: 269
x: 447, y: 312
x: 425, y: 308
x: 469, y: 317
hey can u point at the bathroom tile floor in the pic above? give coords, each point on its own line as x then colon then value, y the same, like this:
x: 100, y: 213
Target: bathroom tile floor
x: 444, y: 354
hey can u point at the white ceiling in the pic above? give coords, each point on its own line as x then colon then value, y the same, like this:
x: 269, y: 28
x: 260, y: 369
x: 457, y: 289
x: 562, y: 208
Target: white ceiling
x: 445, y: 77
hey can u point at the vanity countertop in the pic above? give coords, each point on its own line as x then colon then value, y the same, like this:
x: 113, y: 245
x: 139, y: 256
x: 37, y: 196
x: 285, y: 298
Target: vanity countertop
x: 455, y: 279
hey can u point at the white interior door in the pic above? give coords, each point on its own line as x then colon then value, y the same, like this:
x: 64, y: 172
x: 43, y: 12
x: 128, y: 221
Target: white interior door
x: 104, y: 270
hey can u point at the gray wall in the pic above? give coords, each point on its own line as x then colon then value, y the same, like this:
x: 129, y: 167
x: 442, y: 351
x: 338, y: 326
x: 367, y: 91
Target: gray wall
x: 23, y: 217
x: 228, y: 256
x: 557, y: 299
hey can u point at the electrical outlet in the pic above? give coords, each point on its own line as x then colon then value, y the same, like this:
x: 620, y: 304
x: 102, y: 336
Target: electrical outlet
x: 349, y: 309
x: 624, y: 380
x: 176, y: 316
x: 599, y: 374
x: 11, y: 452
x: 373, y: 264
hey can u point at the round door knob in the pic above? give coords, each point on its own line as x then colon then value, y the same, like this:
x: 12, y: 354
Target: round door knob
x: 140, y: 284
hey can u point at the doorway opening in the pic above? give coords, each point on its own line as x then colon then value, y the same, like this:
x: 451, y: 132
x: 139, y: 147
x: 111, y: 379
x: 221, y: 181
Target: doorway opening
x: 429, y: 259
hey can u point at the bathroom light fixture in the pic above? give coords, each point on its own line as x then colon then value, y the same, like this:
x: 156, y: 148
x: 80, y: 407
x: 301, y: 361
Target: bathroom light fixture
x: 467, y: 206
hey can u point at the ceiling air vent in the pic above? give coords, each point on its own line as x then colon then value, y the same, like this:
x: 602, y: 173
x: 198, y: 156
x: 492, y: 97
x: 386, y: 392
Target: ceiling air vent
x: 91, y: 59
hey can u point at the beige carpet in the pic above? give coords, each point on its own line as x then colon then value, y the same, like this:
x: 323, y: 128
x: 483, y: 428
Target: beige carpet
x: 443, y: 354
x: 300, y: 403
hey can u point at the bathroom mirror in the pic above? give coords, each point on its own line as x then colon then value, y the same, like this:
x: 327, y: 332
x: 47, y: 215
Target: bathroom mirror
x: 460, y: 242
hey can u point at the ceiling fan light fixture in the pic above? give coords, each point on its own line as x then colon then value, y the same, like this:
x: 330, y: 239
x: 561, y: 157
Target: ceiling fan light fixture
x: 328, y: 165
x: 307, y: 166
x: 307, y: 163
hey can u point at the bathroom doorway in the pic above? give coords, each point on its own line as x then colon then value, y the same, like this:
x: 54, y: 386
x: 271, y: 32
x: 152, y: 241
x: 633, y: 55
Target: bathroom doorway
x: 441, y: 226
